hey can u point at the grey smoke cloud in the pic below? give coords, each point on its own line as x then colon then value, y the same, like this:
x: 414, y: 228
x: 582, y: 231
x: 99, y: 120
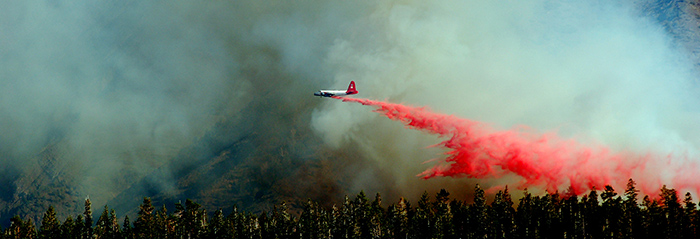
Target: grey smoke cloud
x: 118, y: 86
x: 100, y: 95
x: 598, y: 71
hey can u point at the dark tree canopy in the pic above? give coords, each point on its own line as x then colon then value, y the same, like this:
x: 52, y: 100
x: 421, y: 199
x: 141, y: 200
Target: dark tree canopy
x: 598, y: 214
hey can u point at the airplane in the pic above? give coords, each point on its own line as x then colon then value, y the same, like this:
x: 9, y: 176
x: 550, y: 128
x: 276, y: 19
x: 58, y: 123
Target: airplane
x: 329, y: 93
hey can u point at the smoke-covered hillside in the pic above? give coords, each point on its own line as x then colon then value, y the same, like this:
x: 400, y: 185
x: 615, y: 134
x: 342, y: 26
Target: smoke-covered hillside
x: 680, y: 18
x: 212, y: 101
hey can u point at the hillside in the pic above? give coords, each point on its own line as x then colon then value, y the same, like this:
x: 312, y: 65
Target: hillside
x: 681, y: 18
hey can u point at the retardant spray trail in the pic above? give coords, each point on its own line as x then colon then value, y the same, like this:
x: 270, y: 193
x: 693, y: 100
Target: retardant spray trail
x: 543, y: 160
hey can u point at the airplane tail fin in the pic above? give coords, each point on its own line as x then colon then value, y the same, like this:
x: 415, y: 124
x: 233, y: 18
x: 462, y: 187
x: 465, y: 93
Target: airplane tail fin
x: 351, y: 88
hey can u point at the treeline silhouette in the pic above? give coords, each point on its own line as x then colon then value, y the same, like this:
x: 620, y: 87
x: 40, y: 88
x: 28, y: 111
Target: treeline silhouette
x: 604, y: 215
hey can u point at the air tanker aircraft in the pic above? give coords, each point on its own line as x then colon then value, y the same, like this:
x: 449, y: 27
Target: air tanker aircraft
x: 328, y: 93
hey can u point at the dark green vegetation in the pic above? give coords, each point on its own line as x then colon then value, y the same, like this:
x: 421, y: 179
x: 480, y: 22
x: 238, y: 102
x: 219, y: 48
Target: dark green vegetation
x: 596, y: 215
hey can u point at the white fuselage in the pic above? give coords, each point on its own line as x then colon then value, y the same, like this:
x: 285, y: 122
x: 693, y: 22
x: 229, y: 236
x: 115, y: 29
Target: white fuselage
x: 329, y: 93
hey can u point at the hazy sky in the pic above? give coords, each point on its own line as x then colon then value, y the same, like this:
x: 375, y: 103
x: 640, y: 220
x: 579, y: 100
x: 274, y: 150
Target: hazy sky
x: 597, y: 71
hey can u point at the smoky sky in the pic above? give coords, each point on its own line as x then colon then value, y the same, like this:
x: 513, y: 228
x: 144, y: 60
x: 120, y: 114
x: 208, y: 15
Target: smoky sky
x: 601, y: 72
x: 119, y: 87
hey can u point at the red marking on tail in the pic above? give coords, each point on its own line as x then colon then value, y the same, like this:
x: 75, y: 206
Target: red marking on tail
x: 351, y: 88
x: 476, y: 150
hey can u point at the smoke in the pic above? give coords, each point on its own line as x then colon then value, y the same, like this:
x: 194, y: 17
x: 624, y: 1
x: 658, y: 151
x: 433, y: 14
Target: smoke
x: 597, y: 72
x: 97, y: 96
x: 117, y: 87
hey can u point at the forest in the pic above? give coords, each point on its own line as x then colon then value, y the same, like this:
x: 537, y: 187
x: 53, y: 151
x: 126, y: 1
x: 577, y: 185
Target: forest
x: 598, y: 214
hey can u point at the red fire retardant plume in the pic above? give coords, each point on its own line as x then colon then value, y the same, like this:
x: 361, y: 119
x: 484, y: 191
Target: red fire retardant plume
x: 476, y: 150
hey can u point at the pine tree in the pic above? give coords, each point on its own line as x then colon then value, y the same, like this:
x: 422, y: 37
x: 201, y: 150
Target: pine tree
x: 79, y: 226
x: 632, y: 217
x: 14, y: 230
x: 144, y: 226
x: 266, y: 225
x: 49, y: 225
x: 313, y: 222
x: 612, y: 211
x: 28, y: 229
x: 247, y: 226
x: 422, y: 221
x: 443, y: 215
x: 362, y: 216
x: 503, y: 215
x: 571, y: 217
x: 87, y: 230
x: 592, y: 215
x: 689, y: 223
x: 192, y: 219
x: 654, y: 219
x: 460, y: 217
x: 283, y: 225
x: 540, y: 206
x: 231, y: 223
x: 127, y: 229
x: 672, y: 211
x: 114, y: 230
x: 478, y: 219
x: 242, y: 224
x: 21, y: 229
x: 398, y: 222
x: 218, y: 223
x: 309, y: 221
x: 341, y: 222
x: 100, y: 230
x: 376, y: 214
x: 107, y: 225
x: 525, y: 217
x: 552, y: 223
x: 68, y: 229
x: 165, y: 225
